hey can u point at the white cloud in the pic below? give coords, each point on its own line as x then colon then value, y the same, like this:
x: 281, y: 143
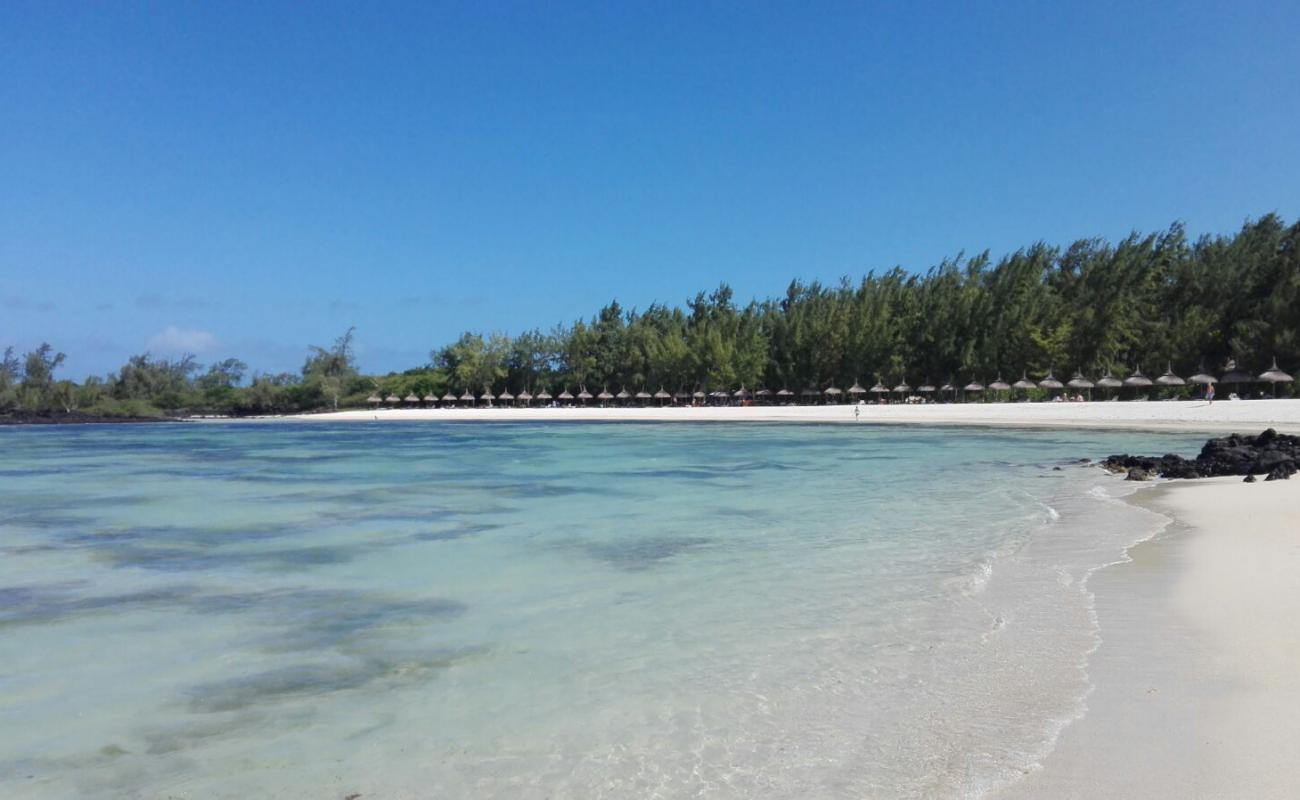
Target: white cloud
x: 176, y: 341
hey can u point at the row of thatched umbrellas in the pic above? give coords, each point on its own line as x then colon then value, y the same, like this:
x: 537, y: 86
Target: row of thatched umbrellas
x: 1232, y: 376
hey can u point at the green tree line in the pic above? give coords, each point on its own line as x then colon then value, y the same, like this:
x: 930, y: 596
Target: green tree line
x: 1144, y: 302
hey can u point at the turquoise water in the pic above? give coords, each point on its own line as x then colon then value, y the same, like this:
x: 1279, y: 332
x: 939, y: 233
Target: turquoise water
x: 551, y: 610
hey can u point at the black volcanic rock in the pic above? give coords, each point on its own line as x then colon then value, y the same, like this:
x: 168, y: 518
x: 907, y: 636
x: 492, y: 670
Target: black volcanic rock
x: 1275, y: 455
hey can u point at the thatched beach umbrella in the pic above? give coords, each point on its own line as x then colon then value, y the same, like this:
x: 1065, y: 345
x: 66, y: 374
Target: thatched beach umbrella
x: 1080, y: 382
x: 1275, y: 376
x: 1233, y: 375
x: 449, y: 398
x: 624, y: 395
x: 1169, y: 378
x: 374, y: 399
x: 681, y: 394
x: 949, y: 386
x: 763, y: 393
x: 412, y: 398
x: 999, y: 385
x: 583, y: 394
x: 544, y: 396
x: 856, y: 390
x: 784, y: 393
x: 565, y: 396
x: 1024, y: 383
x: 643, y: 396
x: 1202, y: 378
x: 742, y: 392
x: 902, y: 388
x: 926, y: 388
x: 662, y: 396
x: 1137, y: 380
x: 974, y: 387
x: 1108, y: 382
x: 487, y: 396
x: 1050, y: 382
x: 506, y: 397
x: 604, y: 396
x: 431, y: 398
x: 878, y: 389
x: 392, y: 399
x: 698, y: 394
x: 833, y: 394
x: 525, y: 397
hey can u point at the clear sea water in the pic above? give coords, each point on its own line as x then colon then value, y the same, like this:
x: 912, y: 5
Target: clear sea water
x: 546, y: 611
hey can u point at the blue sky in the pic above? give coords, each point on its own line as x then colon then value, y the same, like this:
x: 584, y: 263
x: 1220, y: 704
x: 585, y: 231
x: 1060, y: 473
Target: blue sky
x: 246, y: 179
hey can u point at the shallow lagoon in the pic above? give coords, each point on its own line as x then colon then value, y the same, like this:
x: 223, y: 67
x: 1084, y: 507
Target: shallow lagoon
x: 549, y: 610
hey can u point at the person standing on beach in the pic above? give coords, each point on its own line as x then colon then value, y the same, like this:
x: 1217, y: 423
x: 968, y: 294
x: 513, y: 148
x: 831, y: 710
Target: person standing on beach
x: 1209, y: 394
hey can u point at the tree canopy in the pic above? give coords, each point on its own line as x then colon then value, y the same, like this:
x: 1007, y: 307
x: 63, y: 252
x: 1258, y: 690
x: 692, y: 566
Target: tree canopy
x: 1095, y: 306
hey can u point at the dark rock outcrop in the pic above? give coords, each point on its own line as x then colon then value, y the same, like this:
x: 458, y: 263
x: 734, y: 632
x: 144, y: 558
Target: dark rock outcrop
x: 1272, y: 454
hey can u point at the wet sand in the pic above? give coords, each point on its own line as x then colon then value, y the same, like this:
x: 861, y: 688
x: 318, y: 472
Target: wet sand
x: 1196, y: 693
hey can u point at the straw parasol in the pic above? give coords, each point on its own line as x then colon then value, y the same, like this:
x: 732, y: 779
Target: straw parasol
x: 948, y: 386
x: 661, y: 395
x: 623, y: 394
x: 604, y: 395
x: 1080, y: 382
x: 392, y: 399
x: 431, y: 398
x: 487, y: 395
x: 1050, y: 382
x: 856, y: 389
x: 1000, y: 385
x: 926, y: 388
x: 643, y: 395
x: 467, y: 397
x: 506, y: 397
x: 1109, y: 381
x: 1169, y: 378
x: 544, y: 395
x: 374, y: 399
x: 1275, y: 376
x: 974, y: 387
x: 784, y: 393
x: 1024, y: 383
x: 1202, y: 378
x: 879, y: 388
x: 902, y: 388
x: 565, y: 395
x: 449, y: 397
x: 525, y: 397
x: 682, y: 395
x: 1137, y: 380
x: 742, y: 392
x: 763, y: 393
x: 411, y: 398
x: 833, y: 391
x: 583, y: 394
x: 1233, y: 375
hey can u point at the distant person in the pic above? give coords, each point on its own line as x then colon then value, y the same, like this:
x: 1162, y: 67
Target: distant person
x: 1209, y: 394
x: 857, y: 412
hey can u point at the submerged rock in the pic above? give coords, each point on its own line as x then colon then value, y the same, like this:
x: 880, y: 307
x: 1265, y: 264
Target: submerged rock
x: 1273, y: 454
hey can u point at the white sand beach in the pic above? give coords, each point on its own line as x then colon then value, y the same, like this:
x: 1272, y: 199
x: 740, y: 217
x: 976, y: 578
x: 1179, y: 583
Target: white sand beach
x: 1248, y: 416
x: 1196, y: 693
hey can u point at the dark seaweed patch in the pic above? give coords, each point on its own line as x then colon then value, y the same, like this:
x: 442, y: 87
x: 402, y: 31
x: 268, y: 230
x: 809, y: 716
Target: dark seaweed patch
x: 316, y: 680
x: 635, y: 555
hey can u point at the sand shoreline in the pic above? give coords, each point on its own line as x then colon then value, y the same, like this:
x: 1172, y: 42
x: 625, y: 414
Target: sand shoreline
x: 1249, y: 416
x: 1195, y: 692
